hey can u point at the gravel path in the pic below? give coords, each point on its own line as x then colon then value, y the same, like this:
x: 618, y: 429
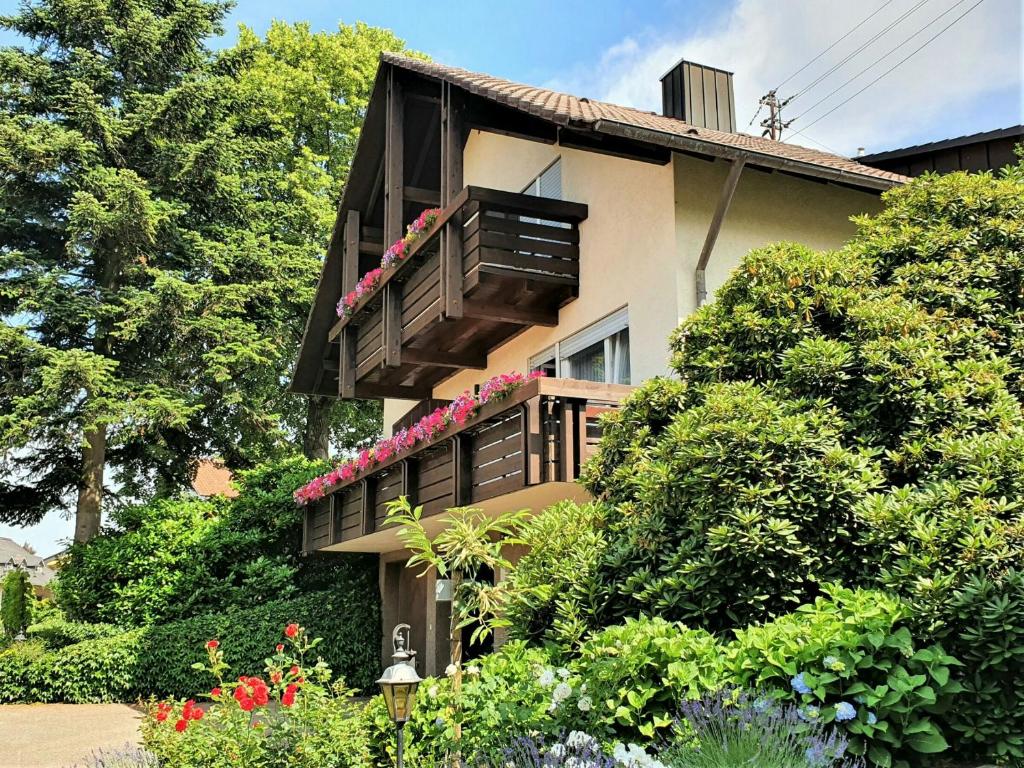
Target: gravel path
x: 62, y: 735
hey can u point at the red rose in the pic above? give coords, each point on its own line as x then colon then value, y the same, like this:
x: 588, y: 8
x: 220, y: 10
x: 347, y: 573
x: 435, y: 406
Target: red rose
x: 246, y: 704
x: 161, y: 716
x: 260, y: 695
x: 295, y: 670
x: 288, y: 698
x: 197, y: 714
x: 212, y: 644
x: 291, y: 630
x: 275, y: 677
x: 181, y: 725
x: 280, y: 647
x: 240, y: 693
x: 215, y: 692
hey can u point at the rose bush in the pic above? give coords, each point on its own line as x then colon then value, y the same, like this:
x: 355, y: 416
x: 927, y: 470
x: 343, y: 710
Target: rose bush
x: 292, y: 715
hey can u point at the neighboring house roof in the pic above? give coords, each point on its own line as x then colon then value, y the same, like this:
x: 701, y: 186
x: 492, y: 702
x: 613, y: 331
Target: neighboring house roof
x: 213, y: 479
x: 626, y: 122
x: 1014, y: 132
x: 13, y: 555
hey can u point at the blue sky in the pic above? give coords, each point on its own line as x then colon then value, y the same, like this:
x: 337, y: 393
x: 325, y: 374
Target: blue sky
x: 969, y: 79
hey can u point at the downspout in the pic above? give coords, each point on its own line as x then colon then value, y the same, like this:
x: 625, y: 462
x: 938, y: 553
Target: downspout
x: 724, y: 201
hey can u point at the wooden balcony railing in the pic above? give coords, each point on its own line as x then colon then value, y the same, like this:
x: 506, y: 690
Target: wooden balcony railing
x: 492, y: 263
x: 541, y: 433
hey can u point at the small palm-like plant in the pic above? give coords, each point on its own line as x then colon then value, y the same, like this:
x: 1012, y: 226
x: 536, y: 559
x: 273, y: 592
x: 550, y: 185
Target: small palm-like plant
x: 729, y: 729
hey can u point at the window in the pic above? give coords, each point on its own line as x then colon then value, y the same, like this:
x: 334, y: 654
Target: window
x: 548, y: 183
x: 597, y: 353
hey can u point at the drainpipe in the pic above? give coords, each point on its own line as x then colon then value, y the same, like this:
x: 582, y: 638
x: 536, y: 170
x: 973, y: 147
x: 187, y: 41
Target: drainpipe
x: 724, y: 201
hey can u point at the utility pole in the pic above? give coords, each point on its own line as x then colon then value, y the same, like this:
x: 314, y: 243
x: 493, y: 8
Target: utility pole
x: 773, y: 124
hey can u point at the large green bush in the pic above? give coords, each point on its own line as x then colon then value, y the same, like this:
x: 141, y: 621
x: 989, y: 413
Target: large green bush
x: 897, y: 361
x: 553, y: 593
x: 174, y: 558
x: 157, y: 660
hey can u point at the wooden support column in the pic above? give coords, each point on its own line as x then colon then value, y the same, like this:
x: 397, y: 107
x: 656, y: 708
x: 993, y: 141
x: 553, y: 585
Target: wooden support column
x: 533, y: 442
x: 367, y: 511
x: 724, y: 201
x: 347, y: 362
x: 410, y: 482
x: 451, y: 185
x: 462, y: 458
x: 350, y: 255
x: 394, y: 210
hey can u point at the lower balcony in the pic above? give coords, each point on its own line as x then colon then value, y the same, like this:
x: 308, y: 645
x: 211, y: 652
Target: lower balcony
x: 522, y: 452
x: 492, y: 264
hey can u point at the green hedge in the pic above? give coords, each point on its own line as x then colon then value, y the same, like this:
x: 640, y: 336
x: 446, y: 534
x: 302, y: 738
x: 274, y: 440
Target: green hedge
x: 157, y: 660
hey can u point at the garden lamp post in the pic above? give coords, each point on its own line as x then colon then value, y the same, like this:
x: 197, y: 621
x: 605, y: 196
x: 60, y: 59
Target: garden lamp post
x: 398, y: 684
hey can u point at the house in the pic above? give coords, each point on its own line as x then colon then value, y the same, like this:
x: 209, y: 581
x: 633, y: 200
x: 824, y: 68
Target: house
x: 988, y: 151
x: 572, y: 237
x: 211, y: 479
x: 13, y: 556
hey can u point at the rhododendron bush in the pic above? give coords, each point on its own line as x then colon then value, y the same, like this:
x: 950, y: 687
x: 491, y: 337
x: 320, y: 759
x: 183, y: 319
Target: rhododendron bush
x: 290, y: 715
x: 458, y: 412
x: 396, y: 253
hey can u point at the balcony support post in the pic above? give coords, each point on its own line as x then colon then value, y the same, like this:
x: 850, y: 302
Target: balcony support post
x: 533, y: 441
x: 451, y: 185
x: 394, y: 211
x: 462, y: 456
x: 367, y: 512
x: 410, y: 480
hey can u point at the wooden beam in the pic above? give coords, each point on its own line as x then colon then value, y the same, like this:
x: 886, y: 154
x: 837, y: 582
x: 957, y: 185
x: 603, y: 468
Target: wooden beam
x: 350, y: 254
x: 444, y: 359
x: 394, y: 188
x: 724, y: 201
x: 372, y: 391
x: 347, y: 363
x: 502, y: 313
x: 431, y: 197
x: 452, y: 287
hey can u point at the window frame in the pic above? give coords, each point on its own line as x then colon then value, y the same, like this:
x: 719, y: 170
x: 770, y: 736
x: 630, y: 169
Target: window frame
x: 602, y: 330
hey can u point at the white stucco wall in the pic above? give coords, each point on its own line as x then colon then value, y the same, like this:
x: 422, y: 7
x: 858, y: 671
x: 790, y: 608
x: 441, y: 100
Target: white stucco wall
x: 640, y: 243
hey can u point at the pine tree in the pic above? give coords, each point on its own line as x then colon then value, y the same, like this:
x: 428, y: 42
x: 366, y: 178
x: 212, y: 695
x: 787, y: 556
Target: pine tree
x: 163, y: 212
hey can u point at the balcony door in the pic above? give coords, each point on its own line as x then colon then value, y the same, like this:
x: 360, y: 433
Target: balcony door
x: 599, y: 352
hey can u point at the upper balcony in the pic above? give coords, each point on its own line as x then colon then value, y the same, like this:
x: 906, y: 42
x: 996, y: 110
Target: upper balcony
x: 522, y: 451
x: 492, y: 264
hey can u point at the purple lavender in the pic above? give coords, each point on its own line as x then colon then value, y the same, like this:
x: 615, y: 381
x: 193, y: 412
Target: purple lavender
x: 576, y: 750
x: 732, y: 727
x: 128, y: 756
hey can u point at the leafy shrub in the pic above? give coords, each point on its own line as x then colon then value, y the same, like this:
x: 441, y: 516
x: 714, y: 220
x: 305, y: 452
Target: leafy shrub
x: 985, y: 629
x: 553, y: 594
x: 158, y: 660
x: 15, y: 602
x: 503, y: 697
x: 715, y: 538
x: 248, y: 547
x: 851, y: 658
x: 731, y: 728
x: 292, y: 715
x: 633, y: 675
x: 58, y: 632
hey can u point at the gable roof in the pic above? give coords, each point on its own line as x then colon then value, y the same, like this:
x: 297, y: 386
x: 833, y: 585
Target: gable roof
x: 12, y: 552
x: 213, y: 479
x: 627, y: 122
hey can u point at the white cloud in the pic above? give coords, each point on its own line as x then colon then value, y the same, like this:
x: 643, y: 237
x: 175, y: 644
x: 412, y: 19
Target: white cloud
x: 932, y: 95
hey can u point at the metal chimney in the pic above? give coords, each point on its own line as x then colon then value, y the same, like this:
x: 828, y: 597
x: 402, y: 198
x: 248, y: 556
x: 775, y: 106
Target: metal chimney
x: 699, y: 95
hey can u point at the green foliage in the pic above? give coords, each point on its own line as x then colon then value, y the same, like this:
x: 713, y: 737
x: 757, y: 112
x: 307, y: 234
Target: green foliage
x: 636, y: 674
x: 855, y: 647
x: 175, y: 558
x: 158, y: 660
x: 299, y: 719
x: 162, y: 217
x: 500, y: 699
x: 712, y: 538
x: 58, y: 632
x: 15, y: 605
x: 985, y: 629
x: 552, y: 591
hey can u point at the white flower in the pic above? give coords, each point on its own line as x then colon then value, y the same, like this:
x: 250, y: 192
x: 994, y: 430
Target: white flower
x: 563, y: 673
x: 450, y: 670
x: 583, y: 688
x: 584, y: 704
x: 557, y: 751
x: 580, y: 740
x: 546, y: 678
x: 432, y: 691
x: 561, y: 693
x: 473, y: 670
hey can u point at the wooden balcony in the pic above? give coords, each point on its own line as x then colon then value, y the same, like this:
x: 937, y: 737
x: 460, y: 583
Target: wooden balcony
x: 541, y: 434
x: 493, y: 264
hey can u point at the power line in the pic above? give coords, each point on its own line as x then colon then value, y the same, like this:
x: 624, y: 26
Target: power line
x: 874, y: 38
x: 837, y: 42
x: 900, y: 62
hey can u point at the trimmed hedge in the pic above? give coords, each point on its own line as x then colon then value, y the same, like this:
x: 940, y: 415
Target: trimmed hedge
x: 157, y: 660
